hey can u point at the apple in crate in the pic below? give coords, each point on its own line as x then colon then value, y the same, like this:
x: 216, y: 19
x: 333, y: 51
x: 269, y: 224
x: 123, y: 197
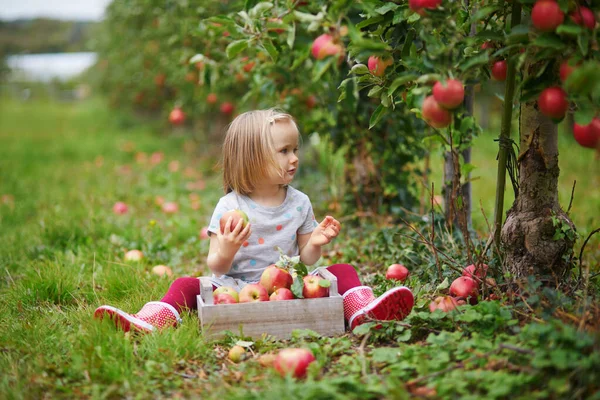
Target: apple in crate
x: 235, y: 215
x: 274, y: 278
x: 315, y: 287
x: 293, y: 362
x: 223, y: 298
x: 466, y: 287
x: 444, y: 303
x: 282, y: 294
x: 228, y: 290
x: 397, y: 271
x: 253, y: 292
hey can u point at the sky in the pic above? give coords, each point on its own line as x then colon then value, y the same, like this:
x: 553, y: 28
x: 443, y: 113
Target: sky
x: 59, y: 9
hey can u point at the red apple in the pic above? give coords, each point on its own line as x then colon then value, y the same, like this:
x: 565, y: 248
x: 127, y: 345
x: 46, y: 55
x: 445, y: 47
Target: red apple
x: 312, y: 287
x: 282, y: 294
x: 253, y: 292
x: 465, y: 287
x: 177, y: 116
x: 583, y: 16
x: 236, y: 216
x: 449, y: 95
x: 134, y: 255
x: 211, y: 98
x: 223, y: 298
x: 421, y: 6
x: 248, y: 67
x: 499, y: 69
x: 274, y: 278
x: 120, y: 208
x: 479, y: 271
x: 227, y: 108
x: 588, y: 135
x: 553, y: 103
x: 565, y: 70
x: 444, y: 303
x: 293, y: 362
x: 162, y: 270
x: 434, y: 114
x: 160, y: 79
x: 228, y: 290
x: 310, y: 102
x: 324, y: 46
x: 378, y: 65
x: 546, y: 15
x: 170, y: 207
x: 397, y: 271
x: 236, y: 354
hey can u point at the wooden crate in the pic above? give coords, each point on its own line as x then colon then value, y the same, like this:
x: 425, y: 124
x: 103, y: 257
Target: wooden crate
x: 276, y: 318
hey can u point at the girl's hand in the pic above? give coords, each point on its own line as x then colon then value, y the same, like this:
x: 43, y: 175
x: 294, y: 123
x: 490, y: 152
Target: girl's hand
x: 325, y: 232
x: 231, y: 240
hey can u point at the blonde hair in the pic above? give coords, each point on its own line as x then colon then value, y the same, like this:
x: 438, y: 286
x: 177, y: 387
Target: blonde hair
x: 248, y: 150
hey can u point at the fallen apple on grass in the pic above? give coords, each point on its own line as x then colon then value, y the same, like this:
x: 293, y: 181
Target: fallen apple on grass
x: 236, y: 354
x: 397, y: 272
x: 236, y: 216
x: 274, y: 278
x: 465, y: 287
x: 315, y: 287
x: 253, y: 292
x: 162, y: 270
x: 293, y: 362
x: 281, y: 294
x: 444, y: 303
x: 134, y: 255
x: 120, y: 208
x: 479, y: 271
x: 170, y: 207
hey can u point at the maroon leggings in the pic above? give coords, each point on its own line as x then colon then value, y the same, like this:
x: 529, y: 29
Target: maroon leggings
x: 183, y: 291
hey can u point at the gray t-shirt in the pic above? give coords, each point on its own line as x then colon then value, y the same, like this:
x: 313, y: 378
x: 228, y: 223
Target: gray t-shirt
x: 272, y: 227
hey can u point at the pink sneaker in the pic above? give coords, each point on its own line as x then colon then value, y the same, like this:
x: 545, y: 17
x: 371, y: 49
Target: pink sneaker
x: 360, y: 302
x: 154, y: 315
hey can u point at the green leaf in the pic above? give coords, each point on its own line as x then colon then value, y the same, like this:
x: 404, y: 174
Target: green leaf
x: 404, y: 336
x: 321, y: 67
x: 249, y: 4
x: 585, y: 79
x: 306, y: 17
x: 484, y: 12
x: 401, y: 80
x: 570, y: 30
x: 363, y: 329
x: 369, y: 21
x: 584, y: 115
x: 359, y: 69
x: 466, y: 168
x: 386, y: 7
x: 583, y: 41
x: 260, y: 8
x: 475, y: 61
x: 549, y: 40
x: 445, y: 283
x: 518, y: 34
x: 244, y: 343
x: 387, y: 355
x: 270, y: 48
x: 377, y: 115
x: 291, y: 38
x: 375, y: 90
x: 297, y: 287
x: 236, y: 47
x: 324, y: 283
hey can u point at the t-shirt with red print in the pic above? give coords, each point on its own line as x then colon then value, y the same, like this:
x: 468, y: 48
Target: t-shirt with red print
x: 272, y: 227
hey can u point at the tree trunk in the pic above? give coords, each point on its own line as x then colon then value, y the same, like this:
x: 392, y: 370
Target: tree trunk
x: 538, y: 235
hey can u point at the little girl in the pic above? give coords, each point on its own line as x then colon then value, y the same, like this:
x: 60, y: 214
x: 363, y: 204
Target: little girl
x: 260, y: 159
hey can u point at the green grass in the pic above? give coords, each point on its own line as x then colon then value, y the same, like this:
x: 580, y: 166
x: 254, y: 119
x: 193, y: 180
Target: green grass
x: 63, y: 166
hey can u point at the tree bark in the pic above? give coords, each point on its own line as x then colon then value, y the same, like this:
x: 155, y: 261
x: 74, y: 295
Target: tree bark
x: 528, y: 235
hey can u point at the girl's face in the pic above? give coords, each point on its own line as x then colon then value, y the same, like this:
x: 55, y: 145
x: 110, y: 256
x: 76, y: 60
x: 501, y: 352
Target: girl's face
x: 285, y: 139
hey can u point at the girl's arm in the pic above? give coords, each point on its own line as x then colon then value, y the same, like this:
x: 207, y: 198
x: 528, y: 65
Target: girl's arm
x: 224, y: 246
x: 310, y: 243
